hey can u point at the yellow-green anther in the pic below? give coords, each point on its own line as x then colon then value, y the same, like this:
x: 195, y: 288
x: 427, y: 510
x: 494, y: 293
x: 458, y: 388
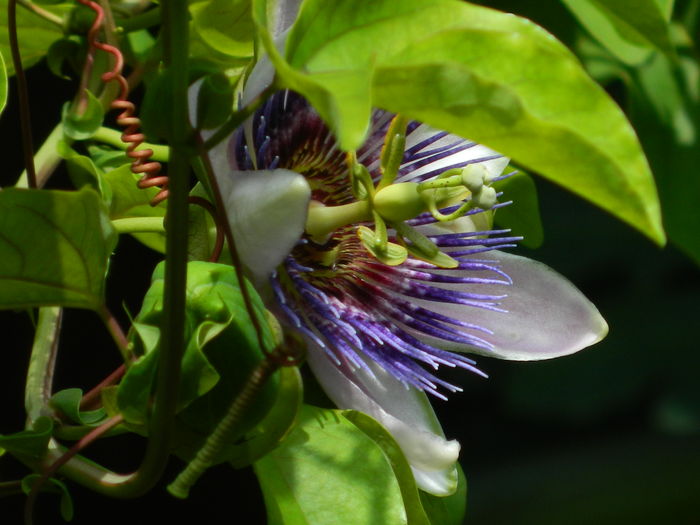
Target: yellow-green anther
x: 473, y: 177
x: 417, y: 239
x: 381, y: 238
x: 485, y: 199
x: 423, y: 248
x: 392, y: 255
x: 393, y: 151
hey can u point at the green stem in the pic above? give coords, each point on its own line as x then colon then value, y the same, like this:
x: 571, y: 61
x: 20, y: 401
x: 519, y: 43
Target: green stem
x: 114, y: 138
x: 175, y: 48
x: 43, y: 13
x: 41, y: 364
x: 46, y: 159
x: 139, y: 225
x: 10, y: 488
x: 23, y: 96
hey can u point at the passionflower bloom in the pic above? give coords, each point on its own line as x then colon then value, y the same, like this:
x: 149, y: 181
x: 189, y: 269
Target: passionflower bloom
x: 386, y: 262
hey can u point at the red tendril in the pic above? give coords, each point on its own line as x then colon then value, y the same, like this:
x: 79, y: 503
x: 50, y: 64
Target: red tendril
x: 127, y: 119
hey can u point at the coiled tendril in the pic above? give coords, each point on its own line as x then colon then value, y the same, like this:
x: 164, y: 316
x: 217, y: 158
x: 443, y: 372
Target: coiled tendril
x: 127, y: 119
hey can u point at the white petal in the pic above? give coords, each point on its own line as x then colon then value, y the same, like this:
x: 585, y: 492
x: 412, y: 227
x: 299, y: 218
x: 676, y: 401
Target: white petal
x: 267, y: 212
x: 547, y: 316
x: 423, y: 132
x: 405, y: 412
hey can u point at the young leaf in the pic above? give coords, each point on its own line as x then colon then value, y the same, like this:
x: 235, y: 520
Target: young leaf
x: 221, y: 353
x: 84, y: 125
x: 30, y: 445
x: 630, y: 29
x: 329, y: 471
x: 68, y: 403
x: 492, y: 77
x: 54, y: 248
x: 82, y: 170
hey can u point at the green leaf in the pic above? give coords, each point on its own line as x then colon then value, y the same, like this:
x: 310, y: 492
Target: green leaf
x: 523, y: 216
x: 492, y: 77
x: 54, y: 248
x: 68, y: 403
x: 82, y: 170
x: 402, y: 470
x: 66, y: 50
x: 221, y: 352
x: 449, y: 510
x: 225, y: 25
x: 83, y: 125
x: 128, y: 200
x: 30, y: 445
x: 35, y: 35
x: 665, y: 107
x: 329, y: 471
x: 630, y: 29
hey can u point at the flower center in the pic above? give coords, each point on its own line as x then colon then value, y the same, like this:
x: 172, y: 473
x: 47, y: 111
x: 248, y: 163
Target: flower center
x: 388, y: 203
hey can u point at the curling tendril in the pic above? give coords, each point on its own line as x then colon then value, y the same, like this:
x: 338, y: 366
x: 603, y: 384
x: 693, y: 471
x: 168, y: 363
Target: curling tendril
x: 127, y: 119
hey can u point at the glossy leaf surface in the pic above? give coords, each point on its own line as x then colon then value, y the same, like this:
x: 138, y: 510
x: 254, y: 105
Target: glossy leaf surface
x: 329, y: 471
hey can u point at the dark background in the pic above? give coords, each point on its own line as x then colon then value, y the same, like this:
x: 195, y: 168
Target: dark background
x: 608, y: 436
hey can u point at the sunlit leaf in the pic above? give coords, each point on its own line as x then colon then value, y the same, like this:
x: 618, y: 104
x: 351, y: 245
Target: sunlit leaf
x: 225, y: 25
x: 54, y: 248
x: 329, y: 471
x: 402, y: 470
x: 489, y: 76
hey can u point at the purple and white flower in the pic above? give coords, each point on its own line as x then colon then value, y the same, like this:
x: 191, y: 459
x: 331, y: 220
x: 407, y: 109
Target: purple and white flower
x: 377, y: 333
